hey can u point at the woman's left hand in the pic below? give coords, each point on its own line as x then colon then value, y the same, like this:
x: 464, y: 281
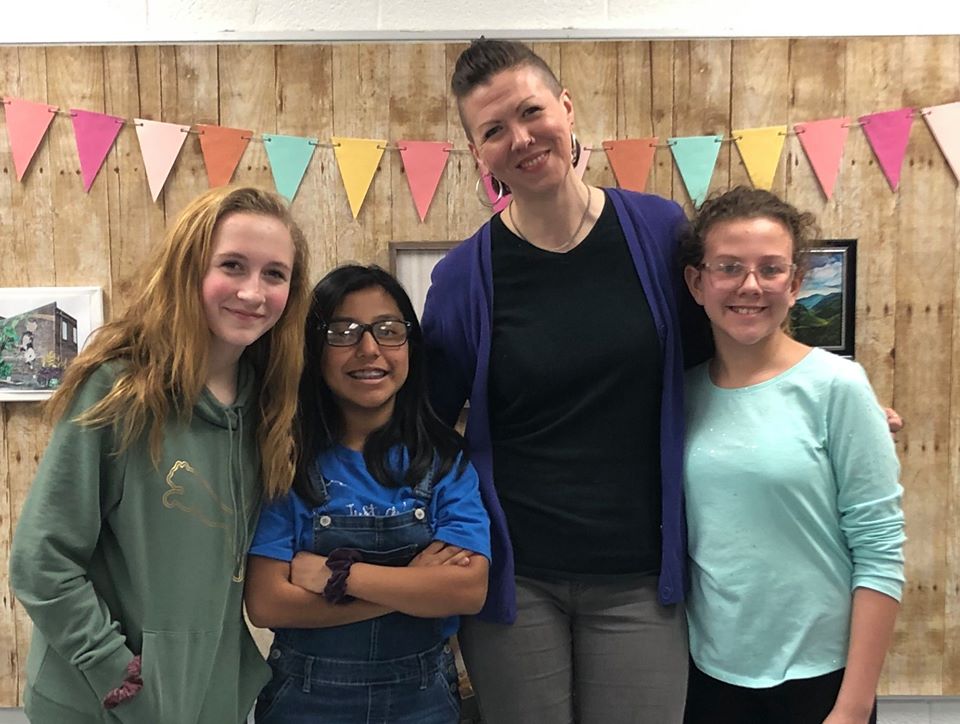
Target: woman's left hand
x: 309, y: 571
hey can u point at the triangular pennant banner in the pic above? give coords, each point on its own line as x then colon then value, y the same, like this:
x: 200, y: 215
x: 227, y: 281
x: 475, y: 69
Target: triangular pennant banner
x: 500, y: 201
x: 357, y: 159
x: 95, y: 134
x: 888, y: 134
x: 760, y: 149
x: 289, y: 157
x: 581, y: 165
x: 823, y: 142
x: 222, y: 148
x: 160, y: 144
x: 423, y: 163
x: 631, y: 160
x: 944, y: 122
x: 27, y: 124
x: 696, y: 157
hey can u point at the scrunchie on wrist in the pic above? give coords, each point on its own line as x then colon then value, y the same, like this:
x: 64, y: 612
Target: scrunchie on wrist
x: 132, y: 683
x: 339, y: 562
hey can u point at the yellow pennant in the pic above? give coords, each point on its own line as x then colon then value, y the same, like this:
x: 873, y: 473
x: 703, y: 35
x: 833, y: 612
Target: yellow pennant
x: 357, y: 159
x: 760, y: 150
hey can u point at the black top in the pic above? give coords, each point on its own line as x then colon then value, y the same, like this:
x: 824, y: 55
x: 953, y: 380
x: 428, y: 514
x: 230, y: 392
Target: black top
x: 575, y: 385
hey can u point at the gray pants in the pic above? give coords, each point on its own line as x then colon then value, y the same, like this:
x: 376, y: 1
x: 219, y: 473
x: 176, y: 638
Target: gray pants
x: 597, y: 653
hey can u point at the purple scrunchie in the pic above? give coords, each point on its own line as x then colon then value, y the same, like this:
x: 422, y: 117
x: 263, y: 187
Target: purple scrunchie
x: 132, y: 683
x: 339, y: 562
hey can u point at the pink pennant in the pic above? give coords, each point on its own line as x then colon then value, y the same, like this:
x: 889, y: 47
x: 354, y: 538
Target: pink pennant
x: 27, y: 124
x: 823, y: 142
x: 160, y: 144
x: 582, y: 161
x: 95, y: 134
x: 423, y: 162
x: 498, y: 204
x: 944, y: 122
x: 888, y: 133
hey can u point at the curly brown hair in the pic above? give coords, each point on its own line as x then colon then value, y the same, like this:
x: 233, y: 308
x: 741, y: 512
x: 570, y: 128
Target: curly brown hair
x: 742, y: 202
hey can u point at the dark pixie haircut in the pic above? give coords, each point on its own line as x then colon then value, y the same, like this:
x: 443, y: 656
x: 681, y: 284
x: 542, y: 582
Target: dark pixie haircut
x: 485, y: 58
x: 742, y: 202
x: 413, y: 425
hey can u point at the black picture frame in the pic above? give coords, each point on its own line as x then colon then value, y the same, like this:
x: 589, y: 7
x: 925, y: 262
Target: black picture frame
x: 825, y: 313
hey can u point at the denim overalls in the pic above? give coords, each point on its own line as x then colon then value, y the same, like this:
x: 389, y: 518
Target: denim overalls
x: 388, y: 670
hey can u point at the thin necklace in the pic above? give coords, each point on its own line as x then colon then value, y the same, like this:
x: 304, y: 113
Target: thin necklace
x: 573, y: 237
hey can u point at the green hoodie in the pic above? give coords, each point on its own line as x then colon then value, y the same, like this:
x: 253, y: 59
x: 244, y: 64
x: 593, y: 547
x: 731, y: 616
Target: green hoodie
x: 114, y: 557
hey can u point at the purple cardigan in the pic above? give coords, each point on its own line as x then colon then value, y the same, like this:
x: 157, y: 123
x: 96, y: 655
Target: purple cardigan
x: 457, y: 328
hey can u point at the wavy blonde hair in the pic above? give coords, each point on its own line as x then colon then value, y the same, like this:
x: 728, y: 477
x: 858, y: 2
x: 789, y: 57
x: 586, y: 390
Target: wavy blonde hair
x: 166, y: 372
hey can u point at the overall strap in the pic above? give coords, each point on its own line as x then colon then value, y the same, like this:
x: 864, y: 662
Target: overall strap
x: 424, y: 489
x: 318, y: 482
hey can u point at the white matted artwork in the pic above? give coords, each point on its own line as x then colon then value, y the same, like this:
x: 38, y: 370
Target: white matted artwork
x: 41, y: 330
x: 411, y: 262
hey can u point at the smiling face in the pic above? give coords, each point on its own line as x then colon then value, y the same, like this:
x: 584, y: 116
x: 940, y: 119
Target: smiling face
x: 519, y: 129
x: 747, y: 314
x: 247, y: 282
x: 366, y: 377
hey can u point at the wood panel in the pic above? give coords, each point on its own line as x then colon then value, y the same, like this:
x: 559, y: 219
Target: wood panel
x: 701, y: 104
x: 760, y: 81
x: 908, y: 326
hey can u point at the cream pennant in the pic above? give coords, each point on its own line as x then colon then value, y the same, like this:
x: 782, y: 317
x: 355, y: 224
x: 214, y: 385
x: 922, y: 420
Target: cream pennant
x: 760, y: 149
x: 944, y: 122
x: 357, y: 159
x: 160, y: 144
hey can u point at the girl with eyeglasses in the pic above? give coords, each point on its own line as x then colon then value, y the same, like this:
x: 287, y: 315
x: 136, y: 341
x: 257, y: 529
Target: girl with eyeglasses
x: 792, y: 494
x: 362, y: 570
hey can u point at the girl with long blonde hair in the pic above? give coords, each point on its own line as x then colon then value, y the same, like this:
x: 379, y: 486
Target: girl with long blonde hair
x: 174, y: 423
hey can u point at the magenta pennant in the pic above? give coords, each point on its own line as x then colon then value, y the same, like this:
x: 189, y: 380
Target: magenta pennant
x: 27, y: 124
x: 823, y: 142
x: 499, y: 204
x: 95, y: 134
x: 888, y: 134
x: 423, y: 162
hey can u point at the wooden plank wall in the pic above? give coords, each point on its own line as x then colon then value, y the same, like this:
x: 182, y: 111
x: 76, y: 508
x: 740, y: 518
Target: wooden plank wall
x: 908, y: 328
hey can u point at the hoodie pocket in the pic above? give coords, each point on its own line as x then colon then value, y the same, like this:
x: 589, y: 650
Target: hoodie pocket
x: 176, y: 668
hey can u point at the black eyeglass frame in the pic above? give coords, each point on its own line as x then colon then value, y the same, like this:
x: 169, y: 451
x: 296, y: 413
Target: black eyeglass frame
x: 363, y: 329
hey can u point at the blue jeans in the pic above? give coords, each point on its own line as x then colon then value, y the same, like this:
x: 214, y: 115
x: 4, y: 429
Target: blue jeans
x: 416, y: 689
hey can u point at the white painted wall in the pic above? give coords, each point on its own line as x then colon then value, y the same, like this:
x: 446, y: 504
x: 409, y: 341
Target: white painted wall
x: 129, y: 21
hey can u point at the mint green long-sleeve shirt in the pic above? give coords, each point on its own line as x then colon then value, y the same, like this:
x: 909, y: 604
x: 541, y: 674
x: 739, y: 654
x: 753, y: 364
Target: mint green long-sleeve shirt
x: 792, y: 502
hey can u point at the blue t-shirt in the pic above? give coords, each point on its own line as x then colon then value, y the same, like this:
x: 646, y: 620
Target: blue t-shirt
x: 456, y: 511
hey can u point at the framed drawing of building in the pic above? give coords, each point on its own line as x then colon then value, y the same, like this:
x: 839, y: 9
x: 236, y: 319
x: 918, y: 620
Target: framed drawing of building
x: 41, y: 330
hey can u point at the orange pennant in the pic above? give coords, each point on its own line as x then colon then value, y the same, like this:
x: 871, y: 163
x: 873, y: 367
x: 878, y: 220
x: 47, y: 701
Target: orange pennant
x: 423, y: 162
x: 823, y: 142
x: 27, y: 124
x: 631, y: 160
x: 222, y: 149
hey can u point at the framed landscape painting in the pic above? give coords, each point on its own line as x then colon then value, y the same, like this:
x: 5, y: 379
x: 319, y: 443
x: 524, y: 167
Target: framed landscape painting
x: 824, y: 315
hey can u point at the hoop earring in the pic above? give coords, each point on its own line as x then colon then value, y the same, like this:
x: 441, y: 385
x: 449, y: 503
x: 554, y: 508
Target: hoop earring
x: 482, y: 192
x: 575, y: 149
